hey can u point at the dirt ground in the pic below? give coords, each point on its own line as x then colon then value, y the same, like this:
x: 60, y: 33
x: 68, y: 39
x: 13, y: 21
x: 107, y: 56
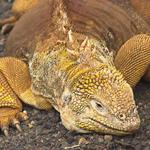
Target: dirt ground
x: 48, y: 133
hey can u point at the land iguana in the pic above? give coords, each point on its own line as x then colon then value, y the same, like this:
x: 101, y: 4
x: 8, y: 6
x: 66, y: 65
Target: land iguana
x: 57, y: 55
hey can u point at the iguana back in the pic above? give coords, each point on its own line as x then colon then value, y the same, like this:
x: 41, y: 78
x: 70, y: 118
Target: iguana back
x: 100, y: 19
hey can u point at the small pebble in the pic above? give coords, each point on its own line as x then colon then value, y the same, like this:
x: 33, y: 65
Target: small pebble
x: 30, y: 126
x: 100, y: 139
x: 108, y: 138
x: 25, y: 112
x: 122, y: 140
x: 140, y: 104
x: 33, y: 122
x: 82, y: 140
x: 42, y: 140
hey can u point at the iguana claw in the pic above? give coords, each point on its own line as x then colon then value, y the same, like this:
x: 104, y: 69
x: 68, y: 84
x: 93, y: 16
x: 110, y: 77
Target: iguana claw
x: 18, y: 127
x: 12, y: 118
x: 16, y: 123
x: 5, y: 130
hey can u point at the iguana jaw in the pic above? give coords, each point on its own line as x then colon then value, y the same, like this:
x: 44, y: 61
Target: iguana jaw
x: 89, y: 122
x: 109, y: 124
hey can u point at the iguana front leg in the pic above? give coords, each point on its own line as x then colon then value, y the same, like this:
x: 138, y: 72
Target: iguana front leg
x: 133, y: 59
x: 10, y: 106
x: 15, y: 83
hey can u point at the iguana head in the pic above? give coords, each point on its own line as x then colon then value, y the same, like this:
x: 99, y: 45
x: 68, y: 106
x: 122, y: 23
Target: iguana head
x: 100, y: 100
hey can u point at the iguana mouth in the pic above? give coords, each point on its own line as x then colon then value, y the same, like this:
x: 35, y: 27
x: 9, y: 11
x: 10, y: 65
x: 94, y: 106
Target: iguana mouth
x: 111, y: 128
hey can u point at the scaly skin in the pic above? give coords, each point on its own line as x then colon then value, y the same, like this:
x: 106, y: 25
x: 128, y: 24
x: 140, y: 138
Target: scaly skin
x: 133, y: 65
x: 75, y: 73
x: 15, y: 86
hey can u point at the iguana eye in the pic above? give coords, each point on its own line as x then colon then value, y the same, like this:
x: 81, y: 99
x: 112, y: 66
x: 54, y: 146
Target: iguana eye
x: 97, y: 105
x: 66, y: 96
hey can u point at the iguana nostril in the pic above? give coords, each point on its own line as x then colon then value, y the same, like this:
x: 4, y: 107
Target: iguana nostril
x: 122, y: 116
